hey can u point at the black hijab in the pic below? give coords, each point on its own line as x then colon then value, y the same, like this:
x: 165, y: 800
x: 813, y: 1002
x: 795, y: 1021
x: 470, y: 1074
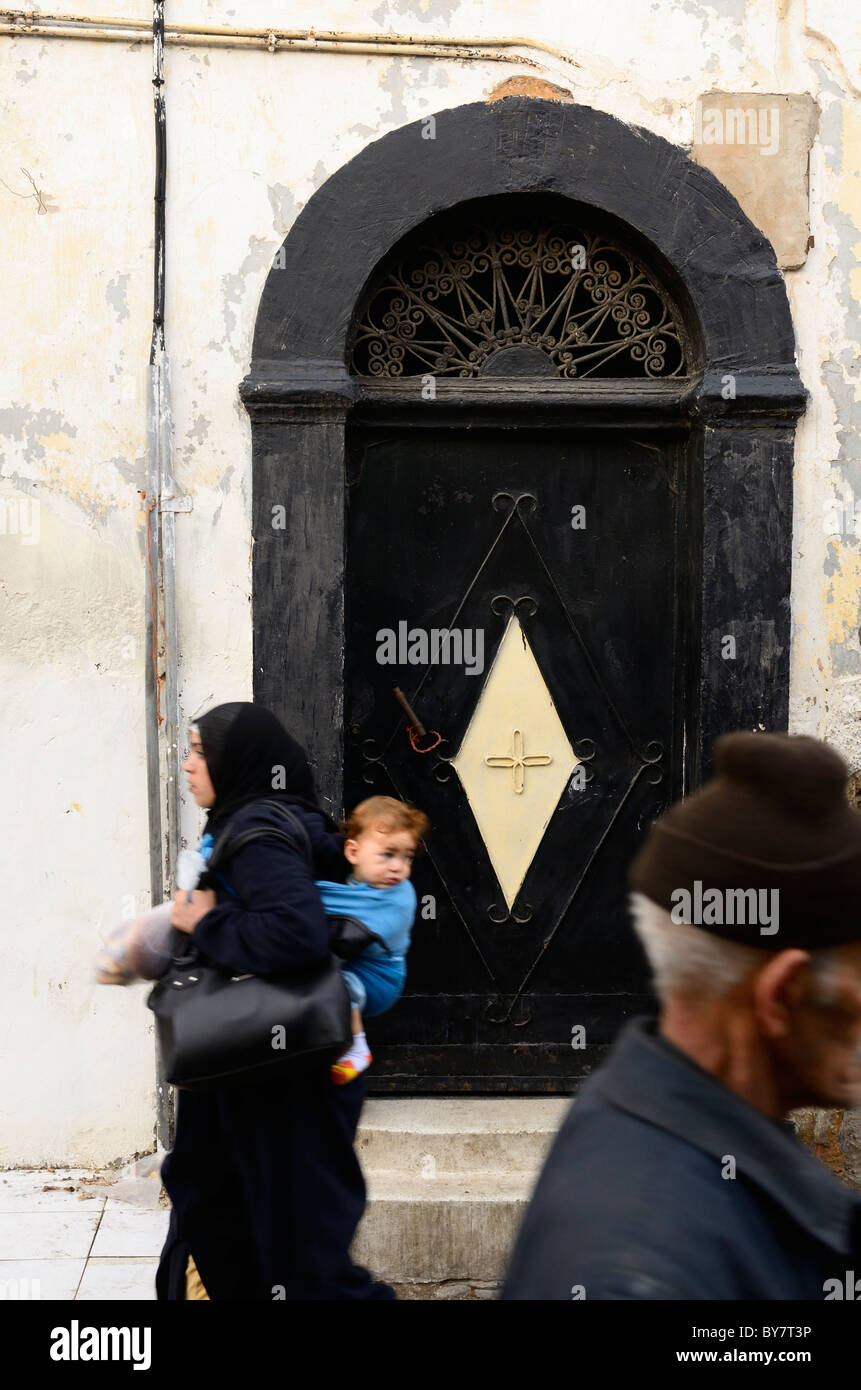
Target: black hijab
x: 245, y: 746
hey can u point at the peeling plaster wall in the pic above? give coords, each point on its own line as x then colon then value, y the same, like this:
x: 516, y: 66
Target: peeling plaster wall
x: 250, y: 137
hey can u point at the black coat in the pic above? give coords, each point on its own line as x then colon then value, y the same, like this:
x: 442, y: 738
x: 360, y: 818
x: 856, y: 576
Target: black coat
x: 636, y: 1199
x: 265, y: 1187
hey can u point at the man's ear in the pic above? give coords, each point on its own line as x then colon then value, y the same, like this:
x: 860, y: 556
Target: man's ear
x: 777, y: 988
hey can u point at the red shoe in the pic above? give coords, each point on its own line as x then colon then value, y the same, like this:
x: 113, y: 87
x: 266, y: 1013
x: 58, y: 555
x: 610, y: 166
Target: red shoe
x: 348, y: 1068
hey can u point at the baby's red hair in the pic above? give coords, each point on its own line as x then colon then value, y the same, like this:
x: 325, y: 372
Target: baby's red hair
x: 385, y: 813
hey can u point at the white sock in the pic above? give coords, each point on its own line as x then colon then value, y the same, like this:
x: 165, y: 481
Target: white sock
x: 358, y: 1051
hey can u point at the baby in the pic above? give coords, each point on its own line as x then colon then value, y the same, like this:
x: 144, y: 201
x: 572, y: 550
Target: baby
x: 382, y: 835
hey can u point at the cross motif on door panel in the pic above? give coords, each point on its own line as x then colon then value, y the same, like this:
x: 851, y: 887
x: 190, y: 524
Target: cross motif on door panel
x: 514, y: 706
x: 518, y: 762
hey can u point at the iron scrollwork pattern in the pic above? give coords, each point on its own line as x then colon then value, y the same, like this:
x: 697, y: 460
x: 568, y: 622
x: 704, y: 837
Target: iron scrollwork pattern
x: 450, y: 306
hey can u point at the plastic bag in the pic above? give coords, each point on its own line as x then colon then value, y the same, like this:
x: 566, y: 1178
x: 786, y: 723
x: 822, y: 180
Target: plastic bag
x: 142, y: 949
x: 138, y: 950
x: 140, y: 1182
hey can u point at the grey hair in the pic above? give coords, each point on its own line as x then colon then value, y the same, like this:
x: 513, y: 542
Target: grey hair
x: 687, y: 960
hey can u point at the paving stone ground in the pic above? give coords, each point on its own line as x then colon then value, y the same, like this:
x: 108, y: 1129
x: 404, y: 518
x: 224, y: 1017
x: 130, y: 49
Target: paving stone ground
x: 64, y: 1237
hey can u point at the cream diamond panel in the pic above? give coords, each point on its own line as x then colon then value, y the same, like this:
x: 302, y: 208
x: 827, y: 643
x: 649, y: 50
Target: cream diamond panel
x: 515, y: 760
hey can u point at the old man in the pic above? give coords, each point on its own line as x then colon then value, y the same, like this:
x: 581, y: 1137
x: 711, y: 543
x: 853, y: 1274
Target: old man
x: 676, y: 1174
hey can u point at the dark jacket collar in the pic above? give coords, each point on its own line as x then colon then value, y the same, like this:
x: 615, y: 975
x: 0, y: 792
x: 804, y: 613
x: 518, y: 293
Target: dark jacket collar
x: 648, y: 1076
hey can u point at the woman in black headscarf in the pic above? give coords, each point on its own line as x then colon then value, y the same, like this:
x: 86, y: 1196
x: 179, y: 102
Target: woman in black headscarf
x: 265, y: 1187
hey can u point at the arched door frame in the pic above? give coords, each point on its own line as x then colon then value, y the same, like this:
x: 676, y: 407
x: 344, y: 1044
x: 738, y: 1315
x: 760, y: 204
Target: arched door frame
x: 742, y: 407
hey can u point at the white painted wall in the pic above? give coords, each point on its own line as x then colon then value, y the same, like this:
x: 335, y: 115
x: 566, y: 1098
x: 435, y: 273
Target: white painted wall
x: 251, y: 136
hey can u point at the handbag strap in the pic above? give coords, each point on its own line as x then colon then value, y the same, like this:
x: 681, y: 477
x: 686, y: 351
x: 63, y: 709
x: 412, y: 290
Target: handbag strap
x: 229, y: 844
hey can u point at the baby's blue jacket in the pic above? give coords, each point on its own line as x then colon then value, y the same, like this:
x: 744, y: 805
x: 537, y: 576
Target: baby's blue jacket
x: 389, y: 912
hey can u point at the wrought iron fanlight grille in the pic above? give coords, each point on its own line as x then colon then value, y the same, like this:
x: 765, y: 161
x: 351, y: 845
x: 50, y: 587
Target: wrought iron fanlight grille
x: 518, y: 300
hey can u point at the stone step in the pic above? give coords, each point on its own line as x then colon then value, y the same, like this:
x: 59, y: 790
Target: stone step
x: 448, y: 1181
x: 459, y: 1226
x: 430, y: 1136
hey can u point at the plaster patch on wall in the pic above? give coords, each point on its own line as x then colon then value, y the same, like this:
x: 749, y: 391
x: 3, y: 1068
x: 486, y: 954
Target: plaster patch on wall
x: 103, y: 585
x: 727, y: 9
x: 855, y: 273
x: 832, y: 560
x: 200, y: 429
x: 115, y: 294
x: 197, y: 433
x: 132, y: 473
x: 839, y: 374
x: 21, y: 484
x: 223, y: 486
x: 850, y: 184
x: 284, y: 205
x: 54, y: 466
x: 409, y: 75
x: 721, y: 27
x: 846, y: 220
x: 758, y: 145
x: 392, y: 79
x: 843, y: 605
x: 33, y: 429
x: 837, y: 377
x: 439, y: 11
x: 830, y: 119
x: 843, y: 593
x: 439, y: 75
x: 67, y: 477
x: 831, y: 28
x: 234, y: 287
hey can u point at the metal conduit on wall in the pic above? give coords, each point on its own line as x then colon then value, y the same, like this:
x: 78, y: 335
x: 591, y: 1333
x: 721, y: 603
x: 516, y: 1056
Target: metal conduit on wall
x: 25, y: 22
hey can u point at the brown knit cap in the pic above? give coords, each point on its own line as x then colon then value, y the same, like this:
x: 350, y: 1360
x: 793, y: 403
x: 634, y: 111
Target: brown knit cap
x: 775, y: 817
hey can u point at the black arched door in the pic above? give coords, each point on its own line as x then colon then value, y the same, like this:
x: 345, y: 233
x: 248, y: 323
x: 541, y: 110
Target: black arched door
x: 525, y: 586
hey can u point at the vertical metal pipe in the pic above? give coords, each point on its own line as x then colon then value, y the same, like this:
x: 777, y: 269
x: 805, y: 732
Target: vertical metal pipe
x: 152, y: 680
x: 163, y: 592
x: 167, y: 487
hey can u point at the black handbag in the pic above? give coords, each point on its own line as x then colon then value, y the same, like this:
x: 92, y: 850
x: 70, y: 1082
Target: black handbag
x: 216, y: 1029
